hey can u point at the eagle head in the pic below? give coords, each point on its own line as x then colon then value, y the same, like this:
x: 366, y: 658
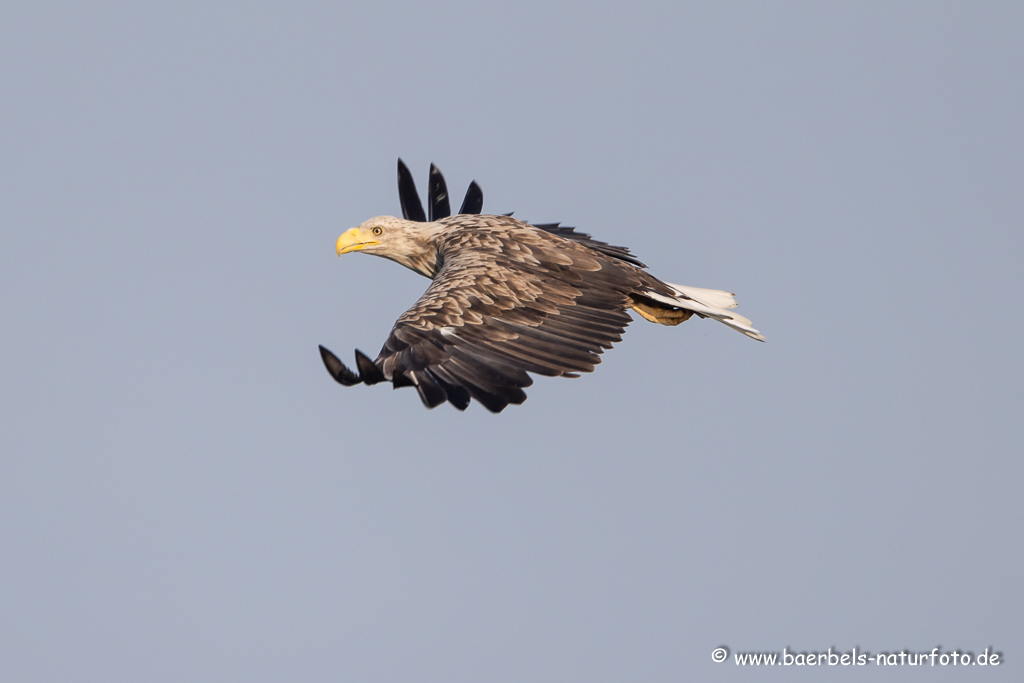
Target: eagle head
x: 411, y: 243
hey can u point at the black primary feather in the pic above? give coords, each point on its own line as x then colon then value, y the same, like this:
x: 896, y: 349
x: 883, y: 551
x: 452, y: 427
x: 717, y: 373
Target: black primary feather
x: 437, y: 195
x: 412, y: 208
x: 474, y: 201
x: 368, y: 372
x: 337, y: 369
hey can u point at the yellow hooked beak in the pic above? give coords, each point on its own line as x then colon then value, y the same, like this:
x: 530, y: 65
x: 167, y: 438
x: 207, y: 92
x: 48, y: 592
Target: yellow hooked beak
x: 354, y: 240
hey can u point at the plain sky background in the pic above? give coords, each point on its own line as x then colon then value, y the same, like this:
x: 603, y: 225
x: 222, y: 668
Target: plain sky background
x: 186, y: 495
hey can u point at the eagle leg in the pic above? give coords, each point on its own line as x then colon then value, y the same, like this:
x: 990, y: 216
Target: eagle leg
x: 663, y: 315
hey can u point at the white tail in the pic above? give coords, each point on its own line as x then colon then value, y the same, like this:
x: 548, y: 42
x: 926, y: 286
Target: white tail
x: 709, y: 303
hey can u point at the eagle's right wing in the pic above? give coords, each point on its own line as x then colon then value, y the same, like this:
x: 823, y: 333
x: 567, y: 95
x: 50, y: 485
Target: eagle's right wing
x: 485, y: 322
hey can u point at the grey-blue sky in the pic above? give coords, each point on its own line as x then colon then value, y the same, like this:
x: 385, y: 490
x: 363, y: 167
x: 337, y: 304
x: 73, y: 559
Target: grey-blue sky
x: 186, y: 495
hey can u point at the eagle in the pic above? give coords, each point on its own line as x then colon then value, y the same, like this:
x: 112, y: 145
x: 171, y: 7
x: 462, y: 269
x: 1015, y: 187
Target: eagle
x: 506, y: 298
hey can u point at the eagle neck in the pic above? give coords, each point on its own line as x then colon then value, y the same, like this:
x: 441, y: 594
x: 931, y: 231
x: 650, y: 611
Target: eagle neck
x: 421, y: 251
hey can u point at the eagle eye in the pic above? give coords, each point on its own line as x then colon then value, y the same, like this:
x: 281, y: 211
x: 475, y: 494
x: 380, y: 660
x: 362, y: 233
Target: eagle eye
x: 377, y: 231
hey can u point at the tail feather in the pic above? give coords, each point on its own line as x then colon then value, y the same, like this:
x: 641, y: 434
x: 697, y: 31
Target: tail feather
x: 708, y: 303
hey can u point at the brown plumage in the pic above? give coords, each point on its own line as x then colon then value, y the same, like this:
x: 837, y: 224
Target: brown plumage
x: 508, y: 298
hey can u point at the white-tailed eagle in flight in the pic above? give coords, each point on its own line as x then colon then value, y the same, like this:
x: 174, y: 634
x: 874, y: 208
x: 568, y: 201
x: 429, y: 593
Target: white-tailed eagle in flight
x: 506, y: 298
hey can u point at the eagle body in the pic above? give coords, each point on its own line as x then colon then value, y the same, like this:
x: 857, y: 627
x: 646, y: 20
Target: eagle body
x: 509, y: 298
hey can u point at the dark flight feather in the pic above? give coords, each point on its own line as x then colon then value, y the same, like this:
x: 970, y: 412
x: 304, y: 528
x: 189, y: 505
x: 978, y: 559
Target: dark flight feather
x: 437, y: 195
x: 412, y: 208
x: 474, y: 201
